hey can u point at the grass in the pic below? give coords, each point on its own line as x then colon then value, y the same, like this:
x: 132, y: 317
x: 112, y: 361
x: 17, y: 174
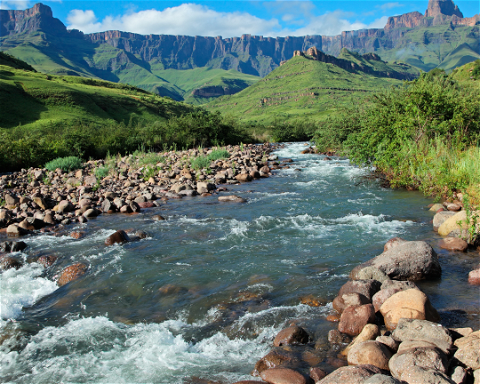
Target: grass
x: 66, y: 164
x: 302, y: 89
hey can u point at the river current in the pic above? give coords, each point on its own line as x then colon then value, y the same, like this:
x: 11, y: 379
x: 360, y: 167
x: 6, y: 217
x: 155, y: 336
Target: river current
x: 205, y: 293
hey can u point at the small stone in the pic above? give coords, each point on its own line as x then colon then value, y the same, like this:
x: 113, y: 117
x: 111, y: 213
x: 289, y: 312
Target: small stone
x: 474, y: 277
x: 47, y: 261
x: 291, y: 336
x: 118, y: 237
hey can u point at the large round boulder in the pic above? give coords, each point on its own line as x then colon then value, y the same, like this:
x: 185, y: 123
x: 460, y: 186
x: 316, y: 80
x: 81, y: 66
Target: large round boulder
x: 412, y: 260
x: 410, y: 304
x: 370, y: 352
x: 284, y: 376
x: 355, y: 317
x: 71, y: 273
x: 291, y: 336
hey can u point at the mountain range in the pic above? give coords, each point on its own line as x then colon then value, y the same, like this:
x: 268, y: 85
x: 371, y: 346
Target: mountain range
x: 198, y: 69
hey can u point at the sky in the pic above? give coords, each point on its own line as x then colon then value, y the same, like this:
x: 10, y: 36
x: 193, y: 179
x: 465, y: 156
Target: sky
x: 230, y: 18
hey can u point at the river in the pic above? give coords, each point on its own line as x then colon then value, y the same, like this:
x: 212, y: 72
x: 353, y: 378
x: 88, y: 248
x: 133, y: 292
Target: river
x: 205, y: 293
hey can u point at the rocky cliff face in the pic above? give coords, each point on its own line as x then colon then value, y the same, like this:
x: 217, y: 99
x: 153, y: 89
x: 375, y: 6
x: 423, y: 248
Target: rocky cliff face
x: 442, y: 7
x: 256, y: 55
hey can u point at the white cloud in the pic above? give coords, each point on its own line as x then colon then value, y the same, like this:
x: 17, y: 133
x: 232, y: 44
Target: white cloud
x: 186, y: 19
x: 388, y: 6
x: 15, y: 5
x: 194, y: 19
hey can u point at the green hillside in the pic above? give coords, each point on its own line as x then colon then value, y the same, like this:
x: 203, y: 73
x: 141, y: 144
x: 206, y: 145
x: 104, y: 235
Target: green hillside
x: 64, y: 55
x: 35, y: 99
x: 443, y: 46
x: 306, y: 88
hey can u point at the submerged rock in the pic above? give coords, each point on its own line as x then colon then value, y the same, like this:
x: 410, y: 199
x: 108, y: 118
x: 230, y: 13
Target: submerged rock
x: 118, y: 237
x: 71, y: 273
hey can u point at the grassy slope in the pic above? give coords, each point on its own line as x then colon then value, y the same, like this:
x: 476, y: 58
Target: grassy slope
x: 294, y: 90
x: 34, y: 99
x: 80, y: 58
x: 436, y: 46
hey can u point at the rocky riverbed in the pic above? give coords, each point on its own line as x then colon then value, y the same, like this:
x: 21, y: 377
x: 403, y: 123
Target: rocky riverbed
x: 374, y: 321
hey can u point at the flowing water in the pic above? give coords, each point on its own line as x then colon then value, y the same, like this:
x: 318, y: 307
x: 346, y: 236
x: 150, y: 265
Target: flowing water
x: 204, y: 294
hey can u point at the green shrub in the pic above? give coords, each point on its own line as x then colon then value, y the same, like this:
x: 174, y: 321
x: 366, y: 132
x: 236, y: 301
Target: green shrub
x: 66, y: 164
x: 102, y: 172
x: 218, y: 154
x: 200, y: 162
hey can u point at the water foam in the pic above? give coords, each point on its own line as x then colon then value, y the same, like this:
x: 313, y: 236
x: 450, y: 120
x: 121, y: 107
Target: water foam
x: 22, y: 287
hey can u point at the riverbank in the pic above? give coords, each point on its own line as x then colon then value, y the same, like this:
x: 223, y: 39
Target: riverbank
x: 205, y: 293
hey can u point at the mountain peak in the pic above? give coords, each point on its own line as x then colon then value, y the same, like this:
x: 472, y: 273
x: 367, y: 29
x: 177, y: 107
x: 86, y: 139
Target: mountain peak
x: 442, y: 7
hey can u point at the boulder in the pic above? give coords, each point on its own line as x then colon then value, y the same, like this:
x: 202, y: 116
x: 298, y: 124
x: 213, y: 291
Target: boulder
x: 47, y: 261
x: 284, y: 376
x: 291, y: 336
x: 337, y: 337
x: 384, y: 294
x: 7, y: 262
x: 12, y: 246
x: 440, y: 218
x: 344, y: 301
x: 118, y: 237
x: 11, y: 200
x: 410, y: 329
x: 13, y: 230
x: 204, y: 187
x: 427, y: 358
x: 277, y: 358
x: 412, y: 260
x: 369, y: 332
x: 455, y: 207
x: 355, y: 317
x: 71, y: 273
x: 468, y: 352
x: 417, y: 375
x: 40, y: 202
x: 389, y: 341
x: 457, y: 224
x: 370, y: 352
x: 244, y: 177
x: 409, y: 304
x: 232, y: 199
x: 436, y: 207
x: 474, y: 277
x: 453, y: 244
x: 64, y: 206
x: 366, y: 288
x: 355, y: 374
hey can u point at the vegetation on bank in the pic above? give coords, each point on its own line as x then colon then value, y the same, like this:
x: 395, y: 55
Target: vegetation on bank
x: 424, y: 135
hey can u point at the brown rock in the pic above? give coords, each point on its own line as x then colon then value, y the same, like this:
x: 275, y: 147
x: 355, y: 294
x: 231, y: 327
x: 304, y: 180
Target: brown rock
x: 384, y: 294
x: 7, y: 262
x: 158, y: 217
x: 243, y: 177
x: 453, y: 244
x: 344, y: 301
x: 474, y: 277
x: 412, y: 260
x: 118, y: 237
x: 389, y: 341
x: 77, y: 235
x: 231, y: 198
x: 291, y: 336
x: 366, y: 288
x: 369, y: 332
x: 409, y: 304
x: 312, y: 301
x: 468, y: 351
x: 276, y: 358
x: 334, y: 317
x: 284, y: 376
x: 370, y: 352
x: 350, y: 375
x: 317, y: 374
x: 47, y: 261
x: 13, y: 230
x: 355, y: 317
x: 71, y: 273
x: 422, y: 330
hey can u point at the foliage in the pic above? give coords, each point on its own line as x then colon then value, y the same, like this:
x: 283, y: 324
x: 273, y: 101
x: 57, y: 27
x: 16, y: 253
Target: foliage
x: 66, y: 164
x: 200, y: 162
x: 296, y: 130
x: 102, y: 172
x: 423, y: 135
x: 218, y: 154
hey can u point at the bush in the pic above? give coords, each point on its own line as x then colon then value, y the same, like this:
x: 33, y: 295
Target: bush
x: 66, y: 164
x: 217, y: 154
x: 102, y: 172
x: 200, y: 162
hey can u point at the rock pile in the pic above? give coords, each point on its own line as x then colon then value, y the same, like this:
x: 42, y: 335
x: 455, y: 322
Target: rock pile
x: 35, y: 198
x: 397, y: 337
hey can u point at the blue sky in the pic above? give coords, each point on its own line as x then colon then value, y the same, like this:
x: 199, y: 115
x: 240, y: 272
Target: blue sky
x: 231, y: 18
